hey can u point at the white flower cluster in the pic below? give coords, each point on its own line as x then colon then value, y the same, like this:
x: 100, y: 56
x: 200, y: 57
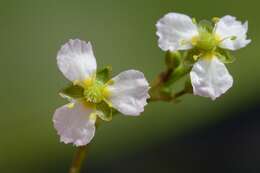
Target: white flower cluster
x: 209, y: 76
x: 127, y: 92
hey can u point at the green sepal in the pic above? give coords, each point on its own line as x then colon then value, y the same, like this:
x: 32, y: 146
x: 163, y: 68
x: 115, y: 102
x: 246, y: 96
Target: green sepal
x: 172, y: 59
x: 104, y: 112
x: 104, y: 74
x: 188, y: 86
x: 185, y: 62
x: 224, y: 56
x: 191, y: 55
x: 205, y: 24
x: 73, y: 91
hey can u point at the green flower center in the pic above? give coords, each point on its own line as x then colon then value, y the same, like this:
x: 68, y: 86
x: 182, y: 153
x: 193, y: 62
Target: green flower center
x: 94, y: 91
x: 205, y: 41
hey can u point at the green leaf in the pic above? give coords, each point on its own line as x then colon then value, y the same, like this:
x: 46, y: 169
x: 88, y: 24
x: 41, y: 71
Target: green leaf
x: 103, y: 75
x: 73, y: 91
x: 104, y: 112
x: 225, y: 56
x: 188, y: 86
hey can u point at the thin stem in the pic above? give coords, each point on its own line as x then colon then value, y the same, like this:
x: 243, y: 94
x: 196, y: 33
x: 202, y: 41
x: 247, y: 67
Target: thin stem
x: 79, y: 157
x: 181, y: 93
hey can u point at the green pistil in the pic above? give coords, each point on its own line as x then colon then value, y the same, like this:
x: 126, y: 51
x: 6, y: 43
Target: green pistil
x: 205, y: 41
x: 94, y: 92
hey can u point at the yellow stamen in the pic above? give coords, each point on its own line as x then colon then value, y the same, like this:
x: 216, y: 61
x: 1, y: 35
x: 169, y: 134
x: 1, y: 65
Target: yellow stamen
x: 108, y: 102
x: 70, y: 105
x: 215, y: 19
x: 76, y: 82
x: 110, y: 82
x: 87, y: 82
x: 194, y: 40
x: 89, y: 105
x: 194, y: 21
x: 217, y: 38
x: 106, y: 93
x: 209, y: 55
x: 195, y: 57
x: 93, y: 117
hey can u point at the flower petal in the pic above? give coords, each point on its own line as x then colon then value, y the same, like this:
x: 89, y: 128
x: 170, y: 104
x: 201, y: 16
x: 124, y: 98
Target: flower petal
x: 210, y: 78
x: 74, y: 125
x: 76, y: 60
x: 129, y: 92
x: 227, y: 28
x: 175, y: 32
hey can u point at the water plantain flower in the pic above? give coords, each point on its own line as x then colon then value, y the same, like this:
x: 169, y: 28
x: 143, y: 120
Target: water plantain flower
x: 127, y: 93
x: 209, y: 76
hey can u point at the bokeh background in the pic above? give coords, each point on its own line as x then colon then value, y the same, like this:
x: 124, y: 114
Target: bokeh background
x: 194, y: 136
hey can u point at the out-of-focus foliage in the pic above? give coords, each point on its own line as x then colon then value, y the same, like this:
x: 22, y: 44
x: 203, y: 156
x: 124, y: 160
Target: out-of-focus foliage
x: 123, y: 35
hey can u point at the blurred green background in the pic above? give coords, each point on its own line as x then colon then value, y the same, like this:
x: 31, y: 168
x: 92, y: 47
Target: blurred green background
x: 123, y: 35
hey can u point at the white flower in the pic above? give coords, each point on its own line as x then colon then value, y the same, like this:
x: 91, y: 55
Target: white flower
x: 209, y: 76
x: 127, y: 92
x: 174, y: 30
x: 74, y: 125
x: 229, y: 27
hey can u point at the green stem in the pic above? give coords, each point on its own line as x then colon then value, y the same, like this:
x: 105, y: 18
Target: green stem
x: 175, y: 76
x: 79, y: 157
x: 180, y: 94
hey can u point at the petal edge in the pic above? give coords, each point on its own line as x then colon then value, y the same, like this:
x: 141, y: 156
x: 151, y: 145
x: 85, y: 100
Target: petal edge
x: 74, y: 125
x: 129, y: 92
x: 175, y: 32
x: 76, y: 60
x: 229, y: 27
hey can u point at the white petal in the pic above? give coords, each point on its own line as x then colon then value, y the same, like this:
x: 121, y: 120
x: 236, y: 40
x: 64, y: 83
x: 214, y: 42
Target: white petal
x: 74, y: 125
x: 129, y: 92
x: 175, y: 32
x: 229, y: 27
x: 76, y: 60
x: 210, y: 78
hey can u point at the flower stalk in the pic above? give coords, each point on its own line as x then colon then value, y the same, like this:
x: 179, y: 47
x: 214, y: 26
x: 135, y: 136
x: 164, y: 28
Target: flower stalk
x: 78, y: 159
